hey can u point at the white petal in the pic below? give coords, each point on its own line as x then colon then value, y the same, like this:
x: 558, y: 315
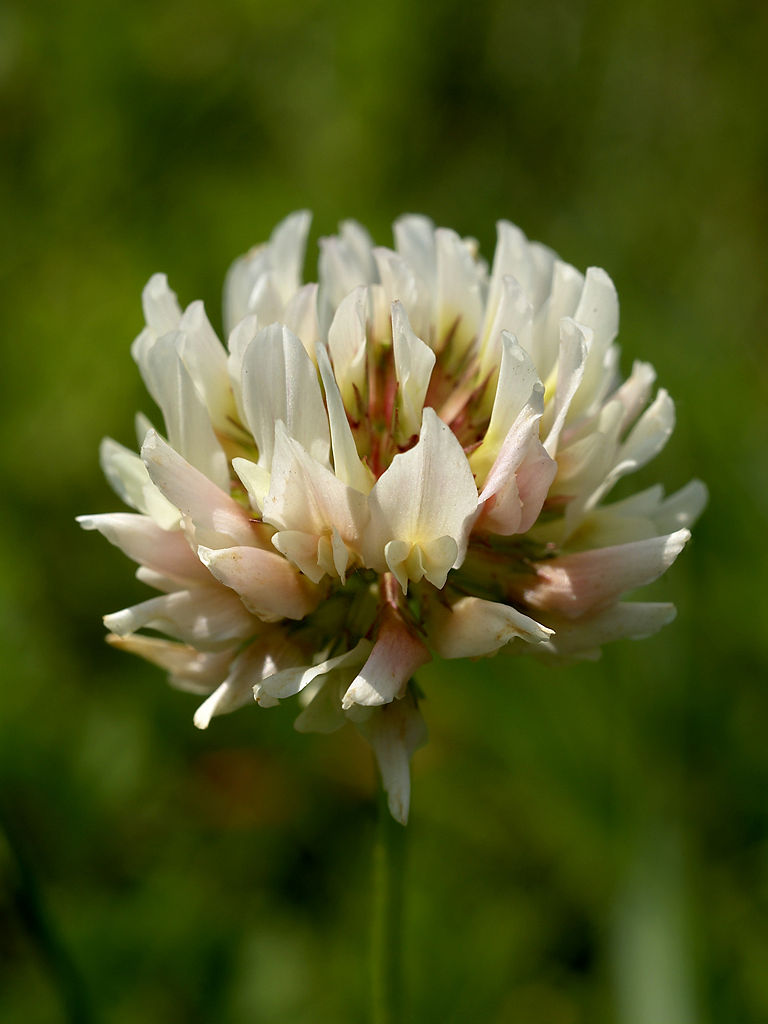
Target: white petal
x: 217, y: 519
x: 301, y: 318
x: 186, y: 417
x: 400, y: 284
x: 396, y: 655
x: 280, y: 383
x: 206, y: 360
x: 574, y: 585
x: 292, y: 680
x: 566, y: 288
x: 347, y: 464
x: 347, y: 343
x: 239, y: 339
x: 395, y: 731
x: 471, y: 627
x: 458, y: 307
x: 161, y: 307
x: 287, y: 246
x: 572, y: 354
x: 141, y: 539
x: 427, y: 493
x: 414, y: 362
x: 268, y: 585
x: 130, y: 480
x: 513, y: 313
x: 206, y: 617
x: 415, y: 241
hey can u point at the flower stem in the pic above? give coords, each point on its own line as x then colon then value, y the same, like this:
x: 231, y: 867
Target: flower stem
x: 388, y: 889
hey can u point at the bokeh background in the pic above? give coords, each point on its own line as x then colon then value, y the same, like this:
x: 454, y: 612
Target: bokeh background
x: 587, y: 845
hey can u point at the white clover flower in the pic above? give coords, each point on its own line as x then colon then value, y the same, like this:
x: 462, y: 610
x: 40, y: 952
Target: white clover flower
x: 410, y: 458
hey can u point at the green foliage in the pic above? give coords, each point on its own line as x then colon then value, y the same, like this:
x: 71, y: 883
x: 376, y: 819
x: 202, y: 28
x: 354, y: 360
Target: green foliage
x: 587, y: 845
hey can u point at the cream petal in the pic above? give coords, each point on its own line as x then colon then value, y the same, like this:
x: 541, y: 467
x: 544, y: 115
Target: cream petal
x: 207, y: 617
x: 244, y: 678
x: 575, y: 585
x: 128, y: 477
x: 513, y: 313
x: 427, y: 493
x: 395, y: 732
x: 396, y: 655
x: 308, y: 497
x: 682, y: 508
x: 346, y: 263
x: 189, y: 669
x: 517, y: 385
x: 472, y: 627
x: 239, y: 339
x: 627, y: 620
x: 268, y: 586
x: 414, y: 362
x: 291, y: 681
x: 217, y: 519
x: 287, y: 246
x: 141, y: 539
x: 303, y: 550
x: 255, y: 479
x: 280, y: 383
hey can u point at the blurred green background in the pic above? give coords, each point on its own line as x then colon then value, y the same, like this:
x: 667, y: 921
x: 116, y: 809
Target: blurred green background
x: 588, y: 845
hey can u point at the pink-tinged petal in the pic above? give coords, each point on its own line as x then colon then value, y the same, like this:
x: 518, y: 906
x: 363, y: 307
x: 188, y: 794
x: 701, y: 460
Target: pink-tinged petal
x: 210, y: 618
x: 395, y: 657
x: 395, y: 732
x: 472, y: 627
x: 280, y: 383
x: 583, y: 639
x: 141, y: 539
x: 268, y: 586
x: 575, y: 585
x: 189, y: 669
x: 290, y: 681
x: 217, y: 519
x: 519, y: 479
x: 426, y: 494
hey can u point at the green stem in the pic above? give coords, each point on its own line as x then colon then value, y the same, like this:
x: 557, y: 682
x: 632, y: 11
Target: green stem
x: 388, y: 889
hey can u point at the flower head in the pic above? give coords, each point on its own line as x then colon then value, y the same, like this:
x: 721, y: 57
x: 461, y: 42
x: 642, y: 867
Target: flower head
x: 410, y: 458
